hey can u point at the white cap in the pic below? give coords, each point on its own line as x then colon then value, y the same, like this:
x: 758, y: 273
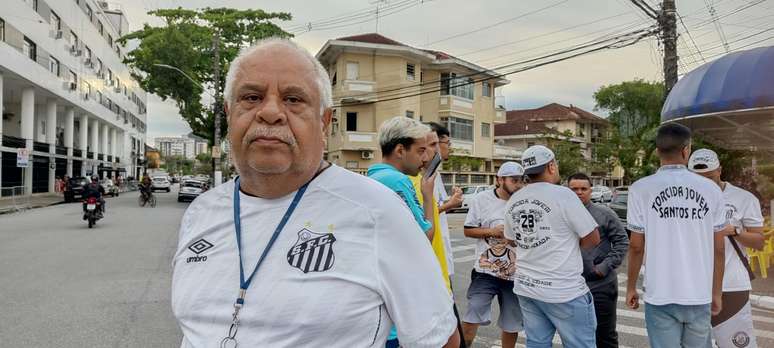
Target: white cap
x: 510, y: 169
x: 535, y: 158
x: 704, y: 158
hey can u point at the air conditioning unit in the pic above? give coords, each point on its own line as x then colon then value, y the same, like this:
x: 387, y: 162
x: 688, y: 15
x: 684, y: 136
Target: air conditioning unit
x: 72, y: 86
x: 56, y: 34
x: 367, y: 155
x: 78, y: 53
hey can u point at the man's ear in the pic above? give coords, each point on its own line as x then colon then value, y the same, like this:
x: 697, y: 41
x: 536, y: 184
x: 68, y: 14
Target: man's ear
x: 400, y: 151
x: 327, y: 116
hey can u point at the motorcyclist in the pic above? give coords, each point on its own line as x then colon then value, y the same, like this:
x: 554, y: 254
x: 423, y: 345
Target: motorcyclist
x: 96, y: 190
x: 145, y: 187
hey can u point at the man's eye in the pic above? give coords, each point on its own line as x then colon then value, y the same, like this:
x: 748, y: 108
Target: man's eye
x: 293, y: 99
x: 252, y: 98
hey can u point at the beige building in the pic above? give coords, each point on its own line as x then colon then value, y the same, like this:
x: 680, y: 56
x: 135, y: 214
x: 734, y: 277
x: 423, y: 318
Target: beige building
x: 524, y: 128
x: 375, y: 78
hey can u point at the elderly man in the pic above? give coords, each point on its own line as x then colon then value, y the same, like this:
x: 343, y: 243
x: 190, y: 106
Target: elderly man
x: 600, y: 262
x: 290, y: 254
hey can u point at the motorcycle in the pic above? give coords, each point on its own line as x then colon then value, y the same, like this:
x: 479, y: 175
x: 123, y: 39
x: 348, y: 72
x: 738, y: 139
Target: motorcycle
x: 93, y: 212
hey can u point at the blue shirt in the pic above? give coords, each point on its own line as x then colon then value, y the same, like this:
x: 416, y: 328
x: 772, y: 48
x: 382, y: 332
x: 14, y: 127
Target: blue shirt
x: 401, y: 184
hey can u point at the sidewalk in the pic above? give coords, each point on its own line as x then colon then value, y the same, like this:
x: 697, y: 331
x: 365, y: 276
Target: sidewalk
x: 36, y: 200
x: 762, y: 294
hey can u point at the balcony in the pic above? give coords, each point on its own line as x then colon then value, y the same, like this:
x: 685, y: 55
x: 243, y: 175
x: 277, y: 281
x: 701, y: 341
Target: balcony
x: 77, y: 153
x: 118, y: 159
x: 357, y: 91
x: 61, y: 150
x: 100, y: 157
x: 89, y: 154
x: 110, y: 158
x: 355, y: 141
x: 457, y: 104
x: 506, y: 152
x: 13, y: 142
x: 40, y: 147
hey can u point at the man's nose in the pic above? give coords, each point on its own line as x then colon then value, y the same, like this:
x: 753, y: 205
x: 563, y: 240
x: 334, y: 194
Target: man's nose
x: 272, y: 111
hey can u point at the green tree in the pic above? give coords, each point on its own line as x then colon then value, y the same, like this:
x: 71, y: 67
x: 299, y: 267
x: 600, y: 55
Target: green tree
x: 635, y: 113
x: 186, y: 42
x: 568, y: 153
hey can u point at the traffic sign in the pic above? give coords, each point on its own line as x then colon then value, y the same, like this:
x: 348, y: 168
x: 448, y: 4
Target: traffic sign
x: 22, y: 158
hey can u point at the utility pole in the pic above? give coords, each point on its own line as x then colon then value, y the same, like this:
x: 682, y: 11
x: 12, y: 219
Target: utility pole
x: 668, y: 23
x: 218, y: 109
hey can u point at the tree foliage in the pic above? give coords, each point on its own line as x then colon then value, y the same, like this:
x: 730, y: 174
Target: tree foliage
x: 568, y: 153
x: 186, y: 42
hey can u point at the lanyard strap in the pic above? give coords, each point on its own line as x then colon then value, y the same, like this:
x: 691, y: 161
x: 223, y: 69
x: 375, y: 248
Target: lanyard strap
x: 245, y: 283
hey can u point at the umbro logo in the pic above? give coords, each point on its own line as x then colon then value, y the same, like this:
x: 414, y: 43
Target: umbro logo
x: 199, y: 247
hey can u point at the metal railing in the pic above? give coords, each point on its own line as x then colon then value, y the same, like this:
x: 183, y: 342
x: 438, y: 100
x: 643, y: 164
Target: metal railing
x: 19, y: 200
x: 15, y: 142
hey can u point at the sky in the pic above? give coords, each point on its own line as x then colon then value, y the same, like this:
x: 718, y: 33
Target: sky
x: 492, y: 33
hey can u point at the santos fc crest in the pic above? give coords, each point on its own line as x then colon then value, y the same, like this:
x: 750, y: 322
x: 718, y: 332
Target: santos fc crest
x: 313, y: 252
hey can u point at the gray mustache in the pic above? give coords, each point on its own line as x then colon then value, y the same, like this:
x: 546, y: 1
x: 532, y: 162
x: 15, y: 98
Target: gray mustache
x: 283, y: 134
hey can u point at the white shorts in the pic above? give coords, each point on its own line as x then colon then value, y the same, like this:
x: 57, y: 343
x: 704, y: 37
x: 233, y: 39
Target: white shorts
x: 737, y: 331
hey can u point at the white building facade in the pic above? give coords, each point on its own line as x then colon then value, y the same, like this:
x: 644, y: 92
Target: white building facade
x: 188, y: 146
x: 65, y: 95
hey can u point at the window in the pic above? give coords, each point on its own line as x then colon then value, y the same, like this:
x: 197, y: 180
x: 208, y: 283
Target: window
x: 101, y: 28
x: 73, y: 77
x: 55, y: 23
x: 87, y: 51
x: 87, y: 88
x: 110, y: 40
x: 30, y: 49
x: 353, y: 69
x: 89, y: 13
x: 43, y: 126
x: 409, y: 114
x: 53, y: 66
x: 2, y: 30
x: 486, y: 130
x: 530, y: 144
x: 456, y: 86
x: 109, y: 76
x: 333, y: 79
x: 352, y: 165
x: 73, y: 39
x: 579, y: 129
x: 32, y: 3
x: 460, y: 128
x: 410, y: 72
x: 486, y: 89
x: 99, y: 65
x: 352, y: 122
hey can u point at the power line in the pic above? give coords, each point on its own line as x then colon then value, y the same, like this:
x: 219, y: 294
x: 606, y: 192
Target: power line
x: 690, y: 36
x: 496, y: 24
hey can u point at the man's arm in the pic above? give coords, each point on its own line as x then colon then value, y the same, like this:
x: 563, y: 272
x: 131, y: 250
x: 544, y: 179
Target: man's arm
x: 455, y: 201
x: 590, y: 240
x: 636, y: 253
x: 427, y: 186
x: 717, y: 271
x: 619, y: 243
x: 480, y: 232
x: 752, y: 237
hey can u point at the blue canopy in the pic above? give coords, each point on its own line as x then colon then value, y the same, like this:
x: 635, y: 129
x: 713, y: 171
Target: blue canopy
x: 730, y: 95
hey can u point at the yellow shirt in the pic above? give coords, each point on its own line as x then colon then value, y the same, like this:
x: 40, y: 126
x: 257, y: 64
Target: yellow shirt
x: 437, y: 242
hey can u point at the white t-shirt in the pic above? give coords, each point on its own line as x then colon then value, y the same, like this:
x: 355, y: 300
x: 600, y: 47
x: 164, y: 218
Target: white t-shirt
x: 441, y: 197
x: 364, y: 265
x: 495, y: 256
x: 678, y: 211
x: 546, y: 222
x: 742, y: 209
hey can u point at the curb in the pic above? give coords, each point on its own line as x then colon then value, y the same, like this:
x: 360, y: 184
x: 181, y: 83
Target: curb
x: 4, y: 211
x: 765, y: 302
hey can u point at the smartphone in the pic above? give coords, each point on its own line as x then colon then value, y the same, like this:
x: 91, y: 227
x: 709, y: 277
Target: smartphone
x: 434, y: 163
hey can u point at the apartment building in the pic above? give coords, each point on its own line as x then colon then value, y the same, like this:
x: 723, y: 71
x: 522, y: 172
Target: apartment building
x: 188, y: 146
x: 527, y: 127
x: 376, y: 78
x: 66, y: 98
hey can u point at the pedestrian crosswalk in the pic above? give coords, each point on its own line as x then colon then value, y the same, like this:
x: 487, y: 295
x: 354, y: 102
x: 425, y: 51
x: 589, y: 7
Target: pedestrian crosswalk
x: 630, y: 323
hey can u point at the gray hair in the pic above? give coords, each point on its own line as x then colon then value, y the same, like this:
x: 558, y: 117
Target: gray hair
x: 401, y: 127
x: 322, y: 79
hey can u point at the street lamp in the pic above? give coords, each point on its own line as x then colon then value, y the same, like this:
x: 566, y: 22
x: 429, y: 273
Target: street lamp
x: 217, y: 175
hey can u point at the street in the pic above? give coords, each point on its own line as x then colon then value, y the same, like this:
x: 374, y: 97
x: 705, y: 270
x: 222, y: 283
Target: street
x: 65, y: 285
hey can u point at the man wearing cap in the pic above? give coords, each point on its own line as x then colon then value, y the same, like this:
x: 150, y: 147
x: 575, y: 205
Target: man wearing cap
x: 733, y: 326
x: 549, y: 226
x: 600, y: 262
x: 494, y: 266
x: 677, y: 220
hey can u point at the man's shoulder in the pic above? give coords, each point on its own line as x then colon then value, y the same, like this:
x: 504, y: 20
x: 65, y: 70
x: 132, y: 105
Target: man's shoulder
x: 602, y: 210
x: 358, y: 189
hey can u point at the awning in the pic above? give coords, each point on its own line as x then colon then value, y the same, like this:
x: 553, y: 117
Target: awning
x: 729, y: 101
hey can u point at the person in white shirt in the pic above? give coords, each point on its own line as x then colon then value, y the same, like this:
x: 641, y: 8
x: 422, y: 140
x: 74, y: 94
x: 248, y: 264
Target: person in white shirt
x: 677, y: 219
x: 493, y: 270
x: 550, y: 225
x: 733, y: 326
x: 290, y: 254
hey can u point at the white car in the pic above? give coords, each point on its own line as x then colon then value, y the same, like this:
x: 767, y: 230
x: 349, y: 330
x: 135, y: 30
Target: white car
x: 190, y: 189
x: 469, y: 192
x: 601, y: 194
x: 160, y: 183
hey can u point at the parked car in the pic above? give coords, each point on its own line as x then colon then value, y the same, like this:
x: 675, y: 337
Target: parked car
x: 601, y: 194
x: 110, y: 188
x: 75, y: 188
x: 618, y: 205
x: 190, y: 189
x: 468, y: 193
x: 160, y: 183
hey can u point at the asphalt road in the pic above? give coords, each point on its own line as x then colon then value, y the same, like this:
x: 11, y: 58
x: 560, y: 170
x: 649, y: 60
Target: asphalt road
x: 64, y: 285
